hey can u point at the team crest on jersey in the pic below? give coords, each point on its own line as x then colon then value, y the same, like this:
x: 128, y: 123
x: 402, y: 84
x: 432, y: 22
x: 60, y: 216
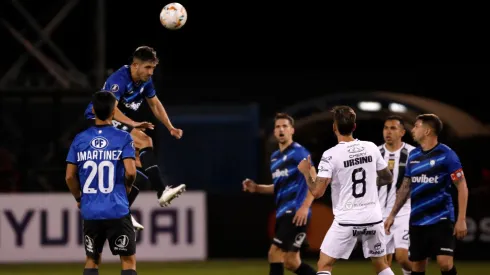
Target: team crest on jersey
x: 432, y: 162
x: 391, y: 164
x: 99, y: 143
x: 114, y: 88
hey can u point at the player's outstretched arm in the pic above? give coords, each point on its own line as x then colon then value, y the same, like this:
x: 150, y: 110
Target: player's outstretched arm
x: 159, y: 111
x: 252, y: 187
x: 72, y: 182
x: 401, y: 196
x: 385, y: 177
x: 129, y: 172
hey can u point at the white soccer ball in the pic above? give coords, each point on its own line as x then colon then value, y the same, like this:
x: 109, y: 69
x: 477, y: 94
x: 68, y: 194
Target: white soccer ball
x: 173, y: 16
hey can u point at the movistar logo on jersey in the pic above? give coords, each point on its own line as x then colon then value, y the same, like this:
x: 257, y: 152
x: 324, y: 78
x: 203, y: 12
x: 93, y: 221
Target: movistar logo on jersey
x: 280, y: 173
x: 425, y: 179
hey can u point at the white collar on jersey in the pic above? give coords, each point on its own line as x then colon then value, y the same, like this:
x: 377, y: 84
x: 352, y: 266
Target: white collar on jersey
x: 343, y: 142
x: 399, y: 149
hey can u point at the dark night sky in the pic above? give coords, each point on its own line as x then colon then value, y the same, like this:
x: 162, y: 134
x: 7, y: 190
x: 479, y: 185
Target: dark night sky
x: 238, y: 50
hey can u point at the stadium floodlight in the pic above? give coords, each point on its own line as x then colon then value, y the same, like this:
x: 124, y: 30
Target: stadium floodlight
x: 369, y: 106
x: 397, y: 107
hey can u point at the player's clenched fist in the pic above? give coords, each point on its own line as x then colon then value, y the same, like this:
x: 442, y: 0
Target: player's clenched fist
x: 249, y: 186
x: 305, y: 165
x: 177, y: 133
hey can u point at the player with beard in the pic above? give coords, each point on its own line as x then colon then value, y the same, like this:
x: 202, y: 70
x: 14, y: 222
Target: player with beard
x: 432, y: 170
x: 293, y: 200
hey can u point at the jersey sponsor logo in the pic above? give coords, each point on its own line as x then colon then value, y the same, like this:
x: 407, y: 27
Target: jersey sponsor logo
x: 355, y: 148
x: 358, y: 231
x: 377, y: 250
x: 121, y: 243
x: 358, y: 161
x: 425, y: 179
x: 298, y: 241
x: 322, y: 169
x: 133, y: 105
x: 99, y: 143
x: 457, y: 174
x: 358, y: 155
x: 356, y: 206
x: 280, y: 173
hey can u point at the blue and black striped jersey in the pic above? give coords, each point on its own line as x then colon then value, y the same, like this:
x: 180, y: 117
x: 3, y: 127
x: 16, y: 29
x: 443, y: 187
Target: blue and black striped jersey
x: 290, y: 188
x: 431, y: 174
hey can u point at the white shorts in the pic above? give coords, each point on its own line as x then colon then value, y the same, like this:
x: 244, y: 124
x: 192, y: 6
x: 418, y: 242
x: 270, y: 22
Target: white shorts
x: 398, y: 237
x: 341, y: 240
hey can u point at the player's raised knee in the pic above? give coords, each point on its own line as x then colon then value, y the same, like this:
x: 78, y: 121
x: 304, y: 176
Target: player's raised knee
x: 141, y: 139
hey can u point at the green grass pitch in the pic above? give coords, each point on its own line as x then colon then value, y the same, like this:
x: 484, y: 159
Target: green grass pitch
x: 231, y: 267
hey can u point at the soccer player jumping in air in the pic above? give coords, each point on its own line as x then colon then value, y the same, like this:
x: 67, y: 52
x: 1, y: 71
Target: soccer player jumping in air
x: 131, y: 84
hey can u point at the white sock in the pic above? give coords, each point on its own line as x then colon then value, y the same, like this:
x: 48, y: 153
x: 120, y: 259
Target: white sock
x: 387, y: 271
x: 406, y: 272
x: 324, y: 273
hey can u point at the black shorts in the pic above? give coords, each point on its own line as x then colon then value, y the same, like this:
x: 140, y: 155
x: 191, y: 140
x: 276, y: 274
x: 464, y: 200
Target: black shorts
x: 289, y: 237
x: 431, y: 240
x: 118, y: 232
x: 115, y: 123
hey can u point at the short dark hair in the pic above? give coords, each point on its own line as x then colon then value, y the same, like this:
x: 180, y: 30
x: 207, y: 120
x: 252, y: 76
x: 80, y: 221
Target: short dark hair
x: 104, y: 103
x: 284, y: 116
x: 396, y: 117
x: 345, y: 118
x: 433, y: 121
x: 145, y: 54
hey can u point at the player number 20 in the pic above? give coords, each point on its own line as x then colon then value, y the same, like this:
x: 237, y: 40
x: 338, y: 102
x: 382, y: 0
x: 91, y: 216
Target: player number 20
x: 356, y: 181
x: 98, y: 170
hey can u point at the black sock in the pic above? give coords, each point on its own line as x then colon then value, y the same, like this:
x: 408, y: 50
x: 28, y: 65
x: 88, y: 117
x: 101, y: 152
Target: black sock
x: 450, y: 272
x: 151, y: 169
x: 91, y: 271
x: 418, y: 273
x: 133, y: 194
x: 305, y: 269
x: 276, y: 269
x: 140, y: 180
x: 129, y: 272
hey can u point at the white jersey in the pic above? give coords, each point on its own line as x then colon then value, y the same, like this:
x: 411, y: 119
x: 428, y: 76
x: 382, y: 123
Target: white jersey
x: 387, y: 194
x: 353, y: 167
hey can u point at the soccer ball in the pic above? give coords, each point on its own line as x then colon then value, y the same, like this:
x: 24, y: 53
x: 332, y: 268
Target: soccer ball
x: 173, y: 16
